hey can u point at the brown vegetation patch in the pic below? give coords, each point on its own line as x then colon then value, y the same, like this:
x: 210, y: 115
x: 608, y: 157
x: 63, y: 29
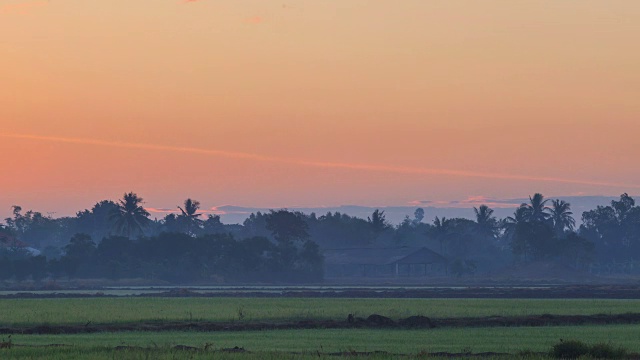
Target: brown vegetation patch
x: 373, y: 321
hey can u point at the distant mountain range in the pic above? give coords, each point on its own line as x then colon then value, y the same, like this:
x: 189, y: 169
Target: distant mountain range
x: 230, y: 214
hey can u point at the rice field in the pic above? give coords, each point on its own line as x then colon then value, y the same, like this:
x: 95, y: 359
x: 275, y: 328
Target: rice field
x: 498, y: 339
x: 21, y: 312
x: 299, y: 343
x: 284, y: 342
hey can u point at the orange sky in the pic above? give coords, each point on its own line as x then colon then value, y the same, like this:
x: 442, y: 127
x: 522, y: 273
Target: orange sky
x: 312, y: 103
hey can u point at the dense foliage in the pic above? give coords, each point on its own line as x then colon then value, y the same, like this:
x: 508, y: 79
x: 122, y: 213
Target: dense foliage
x: 118, y: 239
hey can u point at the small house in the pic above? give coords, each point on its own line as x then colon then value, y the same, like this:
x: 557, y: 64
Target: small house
x: 383, y: 262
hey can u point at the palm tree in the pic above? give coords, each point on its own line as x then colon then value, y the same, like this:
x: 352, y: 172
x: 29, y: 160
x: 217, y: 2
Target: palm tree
x: 442, y: 231
x: 537, y: 209
x: 189, y: 218
x: 510, y: 223
x: 487, y: 223
x: 562, y: 216
x: 129, y: 218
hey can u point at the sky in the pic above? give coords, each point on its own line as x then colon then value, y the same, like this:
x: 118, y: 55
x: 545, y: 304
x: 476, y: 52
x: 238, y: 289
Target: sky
x: 307, y: 103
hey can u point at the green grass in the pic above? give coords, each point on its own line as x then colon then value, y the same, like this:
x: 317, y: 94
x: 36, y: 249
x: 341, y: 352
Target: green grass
x: 508, y: 340
x: 99, y: 353
x: 290, y: 344
x: 14, y: 312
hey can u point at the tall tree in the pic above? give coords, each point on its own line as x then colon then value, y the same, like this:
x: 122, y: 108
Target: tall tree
x: 129, y: 218
x: 442, y: 231
x: 562, y: 216
x: 537, y: 209
x: 623, y: 206
x: 378, y: 222
x: 286, y: 226
x: 418, y: 215
x: 510, y: 223
x: 486, y: 223
x: 189, y: 217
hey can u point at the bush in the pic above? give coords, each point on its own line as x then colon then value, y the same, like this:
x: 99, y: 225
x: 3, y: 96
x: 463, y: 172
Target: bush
x: 574, y: 349
x: 607, y: 351
x: 571, y: 349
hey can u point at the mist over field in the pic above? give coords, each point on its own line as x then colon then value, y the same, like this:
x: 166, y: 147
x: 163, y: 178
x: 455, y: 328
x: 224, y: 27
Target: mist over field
x: 230, y: 214
x: 539, y: 240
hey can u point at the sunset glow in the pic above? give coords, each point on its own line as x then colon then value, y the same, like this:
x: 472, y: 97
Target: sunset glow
x: 316, y: 103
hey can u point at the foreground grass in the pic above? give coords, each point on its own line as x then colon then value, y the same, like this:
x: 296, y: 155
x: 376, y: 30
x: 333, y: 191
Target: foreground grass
x: 502, y: 340
x: 17, y: 312
x: 99, y: 353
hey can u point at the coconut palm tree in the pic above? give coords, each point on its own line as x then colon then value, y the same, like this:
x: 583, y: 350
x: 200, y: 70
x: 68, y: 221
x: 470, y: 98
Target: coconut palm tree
x: 486, y: 223
x: 537, y: 209
x: 561, y: 215
x: 510, y: 223
x: 129, y: 218
x: 442, y: 231
x: 189, y: 216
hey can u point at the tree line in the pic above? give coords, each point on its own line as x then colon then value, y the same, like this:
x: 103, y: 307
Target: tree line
x: 116, y: 239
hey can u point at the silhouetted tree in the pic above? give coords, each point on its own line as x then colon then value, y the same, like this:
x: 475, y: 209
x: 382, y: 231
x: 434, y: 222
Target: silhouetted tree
x: 418, y: 216
x: 34, y: 228
x: 562, y: 216
x: 287, y: 226
x: 615, y: 229
x: 623, y: 206
x: 212, y: 225
x: 130, y: 218
x: 577, y: 250
x: 510, y: 223
x: 189, y: 217
x: 537, y: 209
x: 442, y: 231
x: 96, y: 222
x: 378, y: 222
x: 79, y: 251
x: 487, y: 224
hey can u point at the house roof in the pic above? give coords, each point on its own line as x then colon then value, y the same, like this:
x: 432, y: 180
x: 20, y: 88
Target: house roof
x: 382, y: 256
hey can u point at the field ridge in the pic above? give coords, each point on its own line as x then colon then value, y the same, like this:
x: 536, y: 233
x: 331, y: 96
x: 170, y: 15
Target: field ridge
x: 373, y: 321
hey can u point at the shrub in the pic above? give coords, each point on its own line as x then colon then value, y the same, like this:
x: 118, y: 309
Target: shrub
x: 571, y: 349
x: 607, y: 351
x: 574, y: 349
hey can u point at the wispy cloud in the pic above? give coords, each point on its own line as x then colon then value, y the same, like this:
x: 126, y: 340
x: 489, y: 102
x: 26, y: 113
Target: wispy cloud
x: 175, y: 210
x: 320, y: 164
x: 161, y: 210
x: 475, y: 200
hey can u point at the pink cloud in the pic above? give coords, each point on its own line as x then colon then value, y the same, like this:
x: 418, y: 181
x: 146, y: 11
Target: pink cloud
x: 320, y: 164
x: 483, y: 200
x: 254, y: 20
x: 175, y: 210
x: 475, y: 200
x: 160, y: 210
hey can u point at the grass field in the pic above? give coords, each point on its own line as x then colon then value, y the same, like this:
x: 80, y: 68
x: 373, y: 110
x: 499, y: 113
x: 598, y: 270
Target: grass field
x: 497, y: 339
x: 17, y: 312
x: 298, y: 344
x: 503, y: 340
